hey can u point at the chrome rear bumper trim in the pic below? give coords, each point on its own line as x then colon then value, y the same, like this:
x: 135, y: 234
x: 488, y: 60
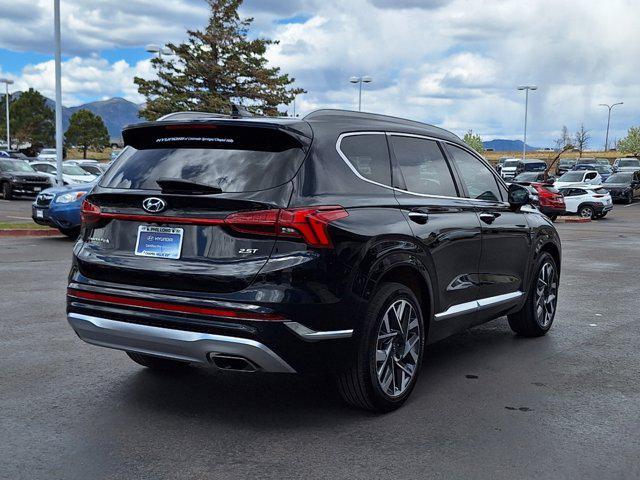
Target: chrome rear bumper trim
x: 309, y: 335
x: 183, y: 345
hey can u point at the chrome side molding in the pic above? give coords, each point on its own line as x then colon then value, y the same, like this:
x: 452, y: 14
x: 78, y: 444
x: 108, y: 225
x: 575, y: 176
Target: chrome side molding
x: 474, y: 306
x: 309, y: 335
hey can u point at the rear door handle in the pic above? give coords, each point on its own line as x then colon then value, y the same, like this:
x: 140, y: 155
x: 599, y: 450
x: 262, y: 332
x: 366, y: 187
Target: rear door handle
x: 487, y: 217
x: 419, y: 217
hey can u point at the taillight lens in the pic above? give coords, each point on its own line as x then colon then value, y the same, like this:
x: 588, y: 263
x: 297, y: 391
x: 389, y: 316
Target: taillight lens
x: 307, y: 223
x: 89, y: 213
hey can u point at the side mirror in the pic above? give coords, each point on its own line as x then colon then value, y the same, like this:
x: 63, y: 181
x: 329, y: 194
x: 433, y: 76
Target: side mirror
x: 518, y: 196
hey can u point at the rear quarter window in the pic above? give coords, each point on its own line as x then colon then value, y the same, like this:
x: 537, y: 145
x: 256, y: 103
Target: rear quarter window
x: 368, y: 154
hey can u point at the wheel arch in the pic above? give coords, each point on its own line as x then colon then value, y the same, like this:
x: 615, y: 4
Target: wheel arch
x: 400, y: 265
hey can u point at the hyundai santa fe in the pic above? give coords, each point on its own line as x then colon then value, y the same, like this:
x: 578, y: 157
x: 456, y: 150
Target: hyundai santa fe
x: 342, y: 242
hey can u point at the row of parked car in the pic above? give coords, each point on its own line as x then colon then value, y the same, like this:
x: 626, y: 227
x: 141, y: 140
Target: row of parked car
x: 586, y: 187
x: 57, y: 207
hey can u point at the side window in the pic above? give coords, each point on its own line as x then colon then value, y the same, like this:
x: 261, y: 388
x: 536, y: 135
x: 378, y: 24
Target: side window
x: 369, y: 155
x: 480, y: 182
x: 423, y: 166
x: 590, y: 176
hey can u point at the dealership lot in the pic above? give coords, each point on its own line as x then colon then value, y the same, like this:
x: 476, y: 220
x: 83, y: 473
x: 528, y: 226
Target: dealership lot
x: 488, y: 404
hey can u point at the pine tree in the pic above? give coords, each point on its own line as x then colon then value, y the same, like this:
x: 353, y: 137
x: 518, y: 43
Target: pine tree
x: 31, y: 120
x: 215, y: 67
x: 86, y: 130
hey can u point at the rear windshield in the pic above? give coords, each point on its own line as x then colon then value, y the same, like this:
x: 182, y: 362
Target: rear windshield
x: 535, y: 167
x: 629, y: 163
x: 571, y: 177
x: 620, y: 178
x: 253, y: 165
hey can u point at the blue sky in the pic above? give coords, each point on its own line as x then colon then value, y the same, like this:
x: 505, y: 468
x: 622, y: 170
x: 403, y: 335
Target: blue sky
x: 453, y: 63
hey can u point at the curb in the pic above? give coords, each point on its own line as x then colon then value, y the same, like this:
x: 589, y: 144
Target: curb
x: 30, y: 233
x: 572, y: 220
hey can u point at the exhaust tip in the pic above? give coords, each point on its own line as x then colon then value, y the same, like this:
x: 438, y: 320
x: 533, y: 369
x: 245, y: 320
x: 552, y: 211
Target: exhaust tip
x: 232, y: 362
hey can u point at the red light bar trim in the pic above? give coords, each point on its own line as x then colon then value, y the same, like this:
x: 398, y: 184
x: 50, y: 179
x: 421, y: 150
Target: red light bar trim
x: 173, y: 307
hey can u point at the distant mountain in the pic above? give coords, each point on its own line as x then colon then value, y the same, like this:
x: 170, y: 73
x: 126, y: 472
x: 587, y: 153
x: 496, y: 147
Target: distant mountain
x: 501, y: 145
x: 115, y: 112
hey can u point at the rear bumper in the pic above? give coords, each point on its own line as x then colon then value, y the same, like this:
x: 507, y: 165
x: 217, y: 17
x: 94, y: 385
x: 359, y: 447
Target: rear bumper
x: 551, y: 211
x: 599, y: 208
x: 195, y: 347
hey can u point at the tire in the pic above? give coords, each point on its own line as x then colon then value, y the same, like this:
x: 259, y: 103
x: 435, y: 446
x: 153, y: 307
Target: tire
x: 586, y: 211
x: 602, y: 215
x: 7, y: 192
x: 70, y: 232
x: 359, y: 384
x: 630, y: 198
x: 156, y: 363
x: 553, y: 218
x: 530, y: 321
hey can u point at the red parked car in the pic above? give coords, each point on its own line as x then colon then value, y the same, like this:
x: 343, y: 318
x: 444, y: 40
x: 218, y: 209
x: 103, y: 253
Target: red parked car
x: 551, y: 201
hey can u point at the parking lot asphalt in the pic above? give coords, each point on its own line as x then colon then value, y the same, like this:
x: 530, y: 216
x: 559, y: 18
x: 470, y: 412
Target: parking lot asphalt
x: 16, y: 211
x: 488, y: 404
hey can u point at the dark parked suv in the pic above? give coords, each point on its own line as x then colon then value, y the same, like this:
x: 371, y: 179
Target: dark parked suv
x: 340, y: 242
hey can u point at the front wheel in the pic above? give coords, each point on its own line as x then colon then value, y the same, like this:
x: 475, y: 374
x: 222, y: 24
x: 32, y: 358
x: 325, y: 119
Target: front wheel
x: 70, y: 232
x: 7, y: 192
x: 630, y: 198
x: 386, y: 365
x: 536, y: 316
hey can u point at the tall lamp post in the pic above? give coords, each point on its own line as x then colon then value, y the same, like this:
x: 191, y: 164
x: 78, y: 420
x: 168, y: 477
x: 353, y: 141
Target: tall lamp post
x: 158, y: 50
x: 526, y: 88
x: 360, y: 81
x: 58, y: 75
x: 610, y: 107
x: 7, y: 82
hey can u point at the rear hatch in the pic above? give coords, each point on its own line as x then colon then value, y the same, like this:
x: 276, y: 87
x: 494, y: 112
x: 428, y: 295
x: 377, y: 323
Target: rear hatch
x: 163, y: 215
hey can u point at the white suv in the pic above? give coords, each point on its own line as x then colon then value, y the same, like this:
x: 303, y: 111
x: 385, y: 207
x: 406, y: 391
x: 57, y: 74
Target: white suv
x: 587, y: 201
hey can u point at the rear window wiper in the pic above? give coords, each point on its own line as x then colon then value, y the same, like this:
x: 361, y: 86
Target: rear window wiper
x: 179, y: 185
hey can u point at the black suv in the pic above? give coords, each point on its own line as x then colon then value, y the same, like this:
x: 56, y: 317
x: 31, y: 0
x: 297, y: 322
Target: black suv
x: 17, y: 177
x: 341, y: 242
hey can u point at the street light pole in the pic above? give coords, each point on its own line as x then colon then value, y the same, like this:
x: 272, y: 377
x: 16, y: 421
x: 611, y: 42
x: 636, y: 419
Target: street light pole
x: 360, y: 81
x: 7, y: 82
x: 58, y: 75
x: 526, y: 88
x: 610, y: 107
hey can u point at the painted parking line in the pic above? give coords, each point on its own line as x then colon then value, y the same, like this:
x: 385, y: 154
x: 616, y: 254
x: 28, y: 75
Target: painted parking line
x: 632, y: 204
x: 19, y: 218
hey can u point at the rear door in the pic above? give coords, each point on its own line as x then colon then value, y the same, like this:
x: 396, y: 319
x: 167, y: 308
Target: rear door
x: 445, y: 224
x: 160, y: 215
x: 506, y: 239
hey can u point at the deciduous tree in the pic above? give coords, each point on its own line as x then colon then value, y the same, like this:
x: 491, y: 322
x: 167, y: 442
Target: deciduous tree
x: 474, y: 141
x: 581, y: 139
x: 631, y: 143
x: 215, y: 67
x: 86, y: 130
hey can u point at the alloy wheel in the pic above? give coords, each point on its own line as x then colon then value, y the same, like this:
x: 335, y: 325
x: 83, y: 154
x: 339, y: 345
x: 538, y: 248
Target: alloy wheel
x: 398, y: 348
x: 586, y: 212
x: 546, y: 295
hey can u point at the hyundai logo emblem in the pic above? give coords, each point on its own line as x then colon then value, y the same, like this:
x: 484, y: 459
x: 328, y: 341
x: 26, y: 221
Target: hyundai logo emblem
x: 154, y: 204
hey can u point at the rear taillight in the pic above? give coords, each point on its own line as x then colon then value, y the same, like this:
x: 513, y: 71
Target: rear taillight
x: 307, y: 223
x: 89, y: 213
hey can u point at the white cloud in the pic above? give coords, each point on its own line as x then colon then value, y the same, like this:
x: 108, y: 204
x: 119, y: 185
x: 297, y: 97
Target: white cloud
x: 454, y: 63
x: 85, y: 79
